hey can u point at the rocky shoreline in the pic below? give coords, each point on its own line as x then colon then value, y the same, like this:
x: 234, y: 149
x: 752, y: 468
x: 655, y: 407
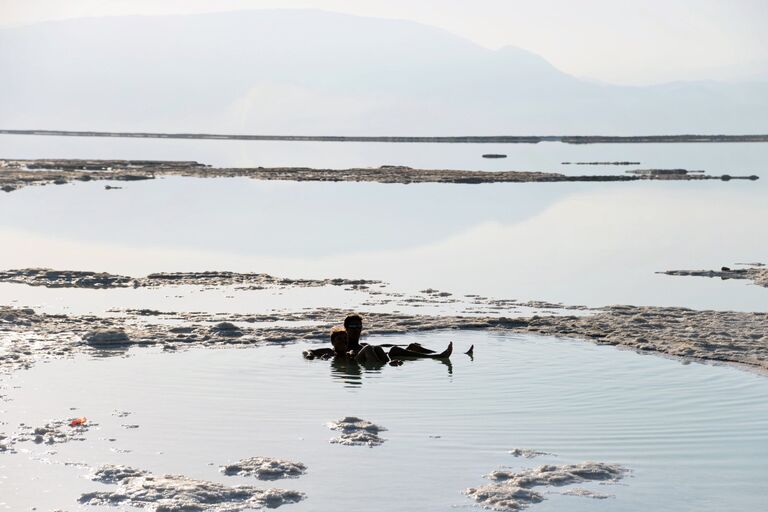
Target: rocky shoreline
x: 16, y: 174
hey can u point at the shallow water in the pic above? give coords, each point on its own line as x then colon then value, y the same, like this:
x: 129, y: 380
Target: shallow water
x: 693, y: 435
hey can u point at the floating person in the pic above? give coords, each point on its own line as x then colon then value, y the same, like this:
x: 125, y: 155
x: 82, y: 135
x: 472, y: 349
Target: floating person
x: 375, y: 354
x: 338, y: 343
x: 345, y: 343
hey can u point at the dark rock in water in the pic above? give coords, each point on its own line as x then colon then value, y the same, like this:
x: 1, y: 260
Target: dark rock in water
x: 108, y: 337
x: 8, y: 188
x: 134, y: 177
x: 725, y: 269
x: 227, y: 329
x: 494, y: 155
x: 725, y: 177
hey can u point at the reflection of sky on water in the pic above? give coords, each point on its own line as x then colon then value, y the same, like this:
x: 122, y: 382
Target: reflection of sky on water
x: 690, y: 433
x: 580, y: 243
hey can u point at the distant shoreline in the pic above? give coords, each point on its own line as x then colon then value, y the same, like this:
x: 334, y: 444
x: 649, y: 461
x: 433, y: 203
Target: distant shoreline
x: 473, y: 139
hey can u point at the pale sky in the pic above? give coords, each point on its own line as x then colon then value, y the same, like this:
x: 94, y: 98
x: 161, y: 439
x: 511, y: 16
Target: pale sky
x: 618, y: 41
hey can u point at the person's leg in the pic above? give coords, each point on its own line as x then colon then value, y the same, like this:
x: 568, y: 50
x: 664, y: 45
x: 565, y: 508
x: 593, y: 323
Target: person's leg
x: 396, y: 352
x: 380, y: 354
x: 416, y: 347
x: 369, y: 355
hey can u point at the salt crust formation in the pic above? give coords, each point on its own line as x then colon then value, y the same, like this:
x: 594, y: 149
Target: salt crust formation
x: 15, y: 174
x: 755, y: 272
x: 176, y: 493
x: 526, y: 453
x: 51, y: 278
x: 513, y: 490
x: 265, y: 468
x: 586, y: 493
x: 53, y: 432
x: 357, y: 432
x: 722, y: 336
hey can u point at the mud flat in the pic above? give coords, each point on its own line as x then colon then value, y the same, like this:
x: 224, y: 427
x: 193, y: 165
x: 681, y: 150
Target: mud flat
x: 757, y: 273
x: 15, y: 174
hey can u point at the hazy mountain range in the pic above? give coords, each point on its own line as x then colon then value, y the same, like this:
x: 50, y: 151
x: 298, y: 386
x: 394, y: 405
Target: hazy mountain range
x: 320, y: 73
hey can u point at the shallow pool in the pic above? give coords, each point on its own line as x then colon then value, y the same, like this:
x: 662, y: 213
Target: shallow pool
x: 694, y: 436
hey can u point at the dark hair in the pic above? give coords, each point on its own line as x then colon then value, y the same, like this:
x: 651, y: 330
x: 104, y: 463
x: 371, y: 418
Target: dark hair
x: 353, y: 321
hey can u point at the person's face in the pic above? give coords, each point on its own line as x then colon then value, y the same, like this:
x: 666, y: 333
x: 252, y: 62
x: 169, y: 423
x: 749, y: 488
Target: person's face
x: 354, y: 331
x: 339, y: 342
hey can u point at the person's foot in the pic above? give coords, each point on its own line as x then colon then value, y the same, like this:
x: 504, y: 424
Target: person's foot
x: 445, y: 353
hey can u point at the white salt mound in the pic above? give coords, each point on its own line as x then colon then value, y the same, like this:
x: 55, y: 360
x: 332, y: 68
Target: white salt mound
x: 357, y: 432
x: 265, y: 468
x: 176, y: 493
x: 512, y: 490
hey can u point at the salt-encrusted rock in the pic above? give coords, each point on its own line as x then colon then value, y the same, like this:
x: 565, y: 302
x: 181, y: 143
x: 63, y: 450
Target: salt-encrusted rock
x: 54, y: 432
x: 357, y: 432
x: 265, y: 468
x: 227, y: 329
x: 177, y: 493
x: 512, y: 490
x: 107, y: 337
x: 114, y: 473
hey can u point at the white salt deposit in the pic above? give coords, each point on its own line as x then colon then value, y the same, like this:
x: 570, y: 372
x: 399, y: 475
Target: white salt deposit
x: 265, y: 468
x: 53, y: 432
x: 357, y: 432
x: 177, y: 493
x: 586, y: 493
x: 511, y: 490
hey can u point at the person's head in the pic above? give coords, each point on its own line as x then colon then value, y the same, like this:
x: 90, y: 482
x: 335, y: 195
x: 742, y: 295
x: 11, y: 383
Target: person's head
x: 353, y: 325
x: 339, y: 340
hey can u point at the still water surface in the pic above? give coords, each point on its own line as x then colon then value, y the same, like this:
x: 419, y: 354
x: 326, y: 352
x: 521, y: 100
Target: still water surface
x: 693, y: 435
x: 578, y: 243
